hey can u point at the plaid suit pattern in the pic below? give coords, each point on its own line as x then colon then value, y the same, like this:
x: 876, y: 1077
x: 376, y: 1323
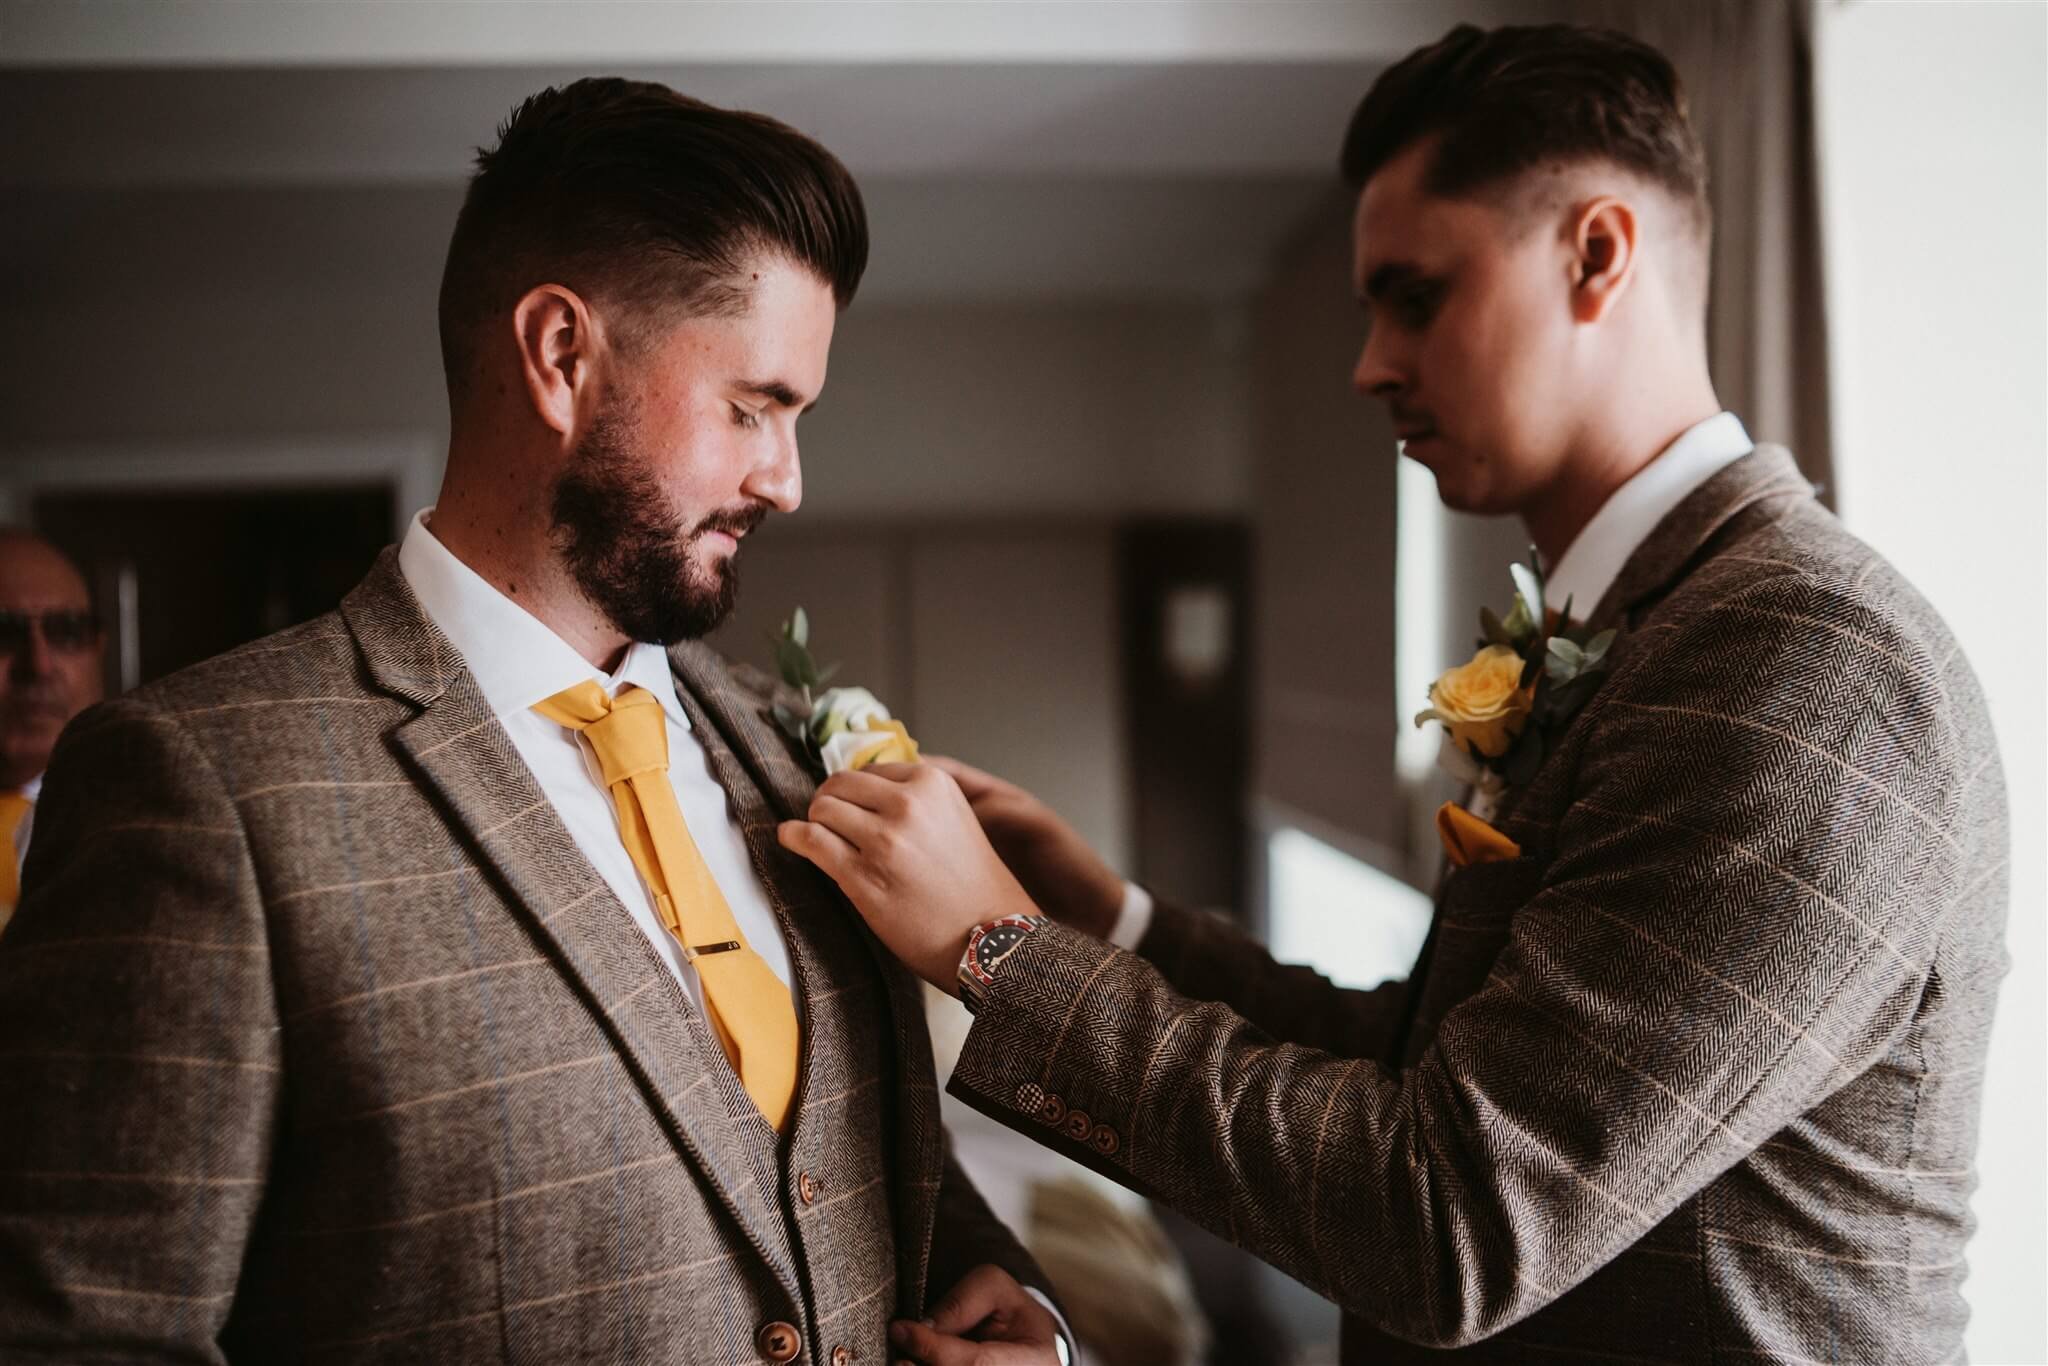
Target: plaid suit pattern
x: 329, y: 1045
x: 1695, y: 1079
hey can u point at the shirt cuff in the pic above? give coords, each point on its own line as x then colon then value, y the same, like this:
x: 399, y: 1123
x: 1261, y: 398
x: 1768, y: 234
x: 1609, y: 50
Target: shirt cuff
x: 1070, y: 1351
x: 1133, y: 918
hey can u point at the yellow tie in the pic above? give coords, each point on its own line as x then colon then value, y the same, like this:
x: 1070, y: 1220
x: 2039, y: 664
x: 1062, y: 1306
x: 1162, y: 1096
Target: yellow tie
x: 13, y: 806
x: 750, y: 1009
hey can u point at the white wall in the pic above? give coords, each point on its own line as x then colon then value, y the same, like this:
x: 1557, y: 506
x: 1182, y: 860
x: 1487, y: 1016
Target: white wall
x: 1933, y: 156
x: 177, y: 320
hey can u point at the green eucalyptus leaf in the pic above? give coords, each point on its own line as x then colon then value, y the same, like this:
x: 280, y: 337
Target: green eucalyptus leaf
x: 1518, y: 627
x: 826, y: 674
x: 1491, y: 627
x: 1563, y: 660
x: 793, y: 722
x: 793, y: 661
x: 1598, y: 646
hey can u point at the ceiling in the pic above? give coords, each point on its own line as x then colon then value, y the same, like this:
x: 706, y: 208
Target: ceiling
x: 1007, y: 150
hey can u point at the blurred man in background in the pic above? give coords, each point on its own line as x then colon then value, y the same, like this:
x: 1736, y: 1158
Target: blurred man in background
x: 54, y: 655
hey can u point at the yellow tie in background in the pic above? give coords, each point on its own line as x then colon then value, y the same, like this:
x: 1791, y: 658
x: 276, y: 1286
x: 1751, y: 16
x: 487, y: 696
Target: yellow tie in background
x: 750, y: 1009
x: 13, y: 806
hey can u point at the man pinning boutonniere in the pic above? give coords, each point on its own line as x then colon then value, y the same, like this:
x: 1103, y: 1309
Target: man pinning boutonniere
x: 1503, y: 711
x: 1689, y: 1064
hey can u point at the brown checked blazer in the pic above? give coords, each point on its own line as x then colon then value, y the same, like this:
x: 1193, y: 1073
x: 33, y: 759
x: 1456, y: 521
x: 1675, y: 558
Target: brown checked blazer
x: 320, y: 1040
x: 1695, y: 1079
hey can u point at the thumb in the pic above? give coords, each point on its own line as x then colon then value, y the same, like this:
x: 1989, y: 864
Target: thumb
x: 972, y: 781
x: 929, y: 1347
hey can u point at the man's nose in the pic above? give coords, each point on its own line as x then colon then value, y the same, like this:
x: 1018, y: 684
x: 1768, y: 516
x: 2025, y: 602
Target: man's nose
x: 33, y: 659
x: 1376, y: 374
x: 779, y: 481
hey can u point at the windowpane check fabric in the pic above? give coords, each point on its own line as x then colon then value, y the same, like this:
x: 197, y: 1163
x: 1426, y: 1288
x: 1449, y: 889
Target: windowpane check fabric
x: 1694, y: 1079
x: 340, y: 1050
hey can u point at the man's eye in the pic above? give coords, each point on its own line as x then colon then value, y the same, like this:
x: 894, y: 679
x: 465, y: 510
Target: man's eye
x: 743, y: 419
x: 1415, y: 306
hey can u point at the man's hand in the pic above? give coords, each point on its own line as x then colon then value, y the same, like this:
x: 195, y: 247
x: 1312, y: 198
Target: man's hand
x: 1066, y: 877
x: 903, y: 844
x: 986, y: 1320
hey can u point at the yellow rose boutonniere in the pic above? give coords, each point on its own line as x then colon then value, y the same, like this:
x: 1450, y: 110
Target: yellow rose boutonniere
x: 1483, y: 703
x: 1504, y: 709
x: 840, y: 728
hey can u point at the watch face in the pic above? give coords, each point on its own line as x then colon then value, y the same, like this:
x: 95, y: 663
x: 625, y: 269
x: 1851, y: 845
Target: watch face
x: 997, y: 943
x: 992, y: 944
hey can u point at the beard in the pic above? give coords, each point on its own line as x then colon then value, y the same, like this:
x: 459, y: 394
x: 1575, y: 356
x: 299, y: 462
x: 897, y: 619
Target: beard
x: 629, y: 552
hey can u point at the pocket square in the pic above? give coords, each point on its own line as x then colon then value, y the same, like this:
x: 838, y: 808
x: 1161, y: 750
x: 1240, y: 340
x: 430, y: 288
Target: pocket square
x: 1468, y: 840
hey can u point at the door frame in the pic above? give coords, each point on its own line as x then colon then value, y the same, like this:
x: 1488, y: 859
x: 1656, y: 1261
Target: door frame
x: 409, y: 461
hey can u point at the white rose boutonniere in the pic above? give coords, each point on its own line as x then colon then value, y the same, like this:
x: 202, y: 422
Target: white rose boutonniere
x: 839, y: 728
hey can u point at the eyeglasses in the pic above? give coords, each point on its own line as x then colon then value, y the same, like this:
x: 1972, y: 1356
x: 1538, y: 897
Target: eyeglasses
x: 66, y: 632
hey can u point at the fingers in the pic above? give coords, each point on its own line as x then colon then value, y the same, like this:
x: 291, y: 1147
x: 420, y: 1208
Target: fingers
x: 932, y: 1348
x: 975, y: 783
x: 870, y: 788
x: 975, y: 1296
x: 856, y: 825
x: 830, y: 851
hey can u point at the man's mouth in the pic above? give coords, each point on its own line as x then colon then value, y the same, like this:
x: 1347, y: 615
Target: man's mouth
x: 723, y: 530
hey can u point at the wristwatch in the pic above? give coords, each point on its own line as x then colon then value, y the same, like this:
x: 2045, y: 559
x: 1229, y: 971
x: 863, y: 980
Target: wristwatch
x: 987, y: 947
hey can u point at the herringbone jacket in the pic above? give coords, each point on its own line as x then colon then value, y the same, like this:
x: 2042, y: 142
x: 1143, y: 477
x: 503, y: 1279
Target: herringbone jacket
x: 320, y: 1040
x: 1694, y: 1079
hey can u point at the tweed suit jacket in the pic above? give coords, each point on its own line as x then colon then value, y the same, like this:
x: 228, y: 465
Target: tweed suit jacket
x: 321, y: 1040
x: 1694, y: 1079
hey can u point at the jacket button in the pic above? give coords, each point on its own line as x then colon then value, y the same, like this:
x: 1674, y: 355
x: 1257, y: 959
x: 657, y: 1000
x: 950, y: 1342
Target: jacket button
x: 1029, y: 1097
x: 779, y: 1343
x: 807, y: 1187
x: 1051, y: 1110
x: 1103, y: 1140
x: 840, y: 1356
x: 1078, y: 1126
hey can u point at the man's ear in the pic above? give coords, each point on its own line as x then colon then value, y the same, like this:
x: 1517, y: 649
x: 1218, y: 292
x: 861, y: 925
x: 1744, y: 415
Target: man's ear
x: 1604, y: 257
x: 553, y: 330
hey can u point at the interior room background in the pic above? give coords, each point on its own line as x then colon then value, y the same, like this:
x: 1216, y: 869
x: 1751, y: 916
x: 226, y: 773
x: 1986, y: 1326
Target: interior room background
x: 1088, y: 498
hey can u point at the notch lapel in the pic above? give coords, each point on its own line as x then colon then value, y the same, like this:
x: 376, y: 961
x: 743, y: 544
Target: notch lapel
x: 740, y: 715
x: 459, y: 750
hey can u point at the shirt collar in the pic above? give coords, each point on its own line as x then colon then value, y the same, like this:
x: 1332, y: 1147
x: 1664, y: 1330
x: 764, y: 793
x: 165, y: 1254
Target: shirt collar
x: 1586, y: 570
x: 516, y: 658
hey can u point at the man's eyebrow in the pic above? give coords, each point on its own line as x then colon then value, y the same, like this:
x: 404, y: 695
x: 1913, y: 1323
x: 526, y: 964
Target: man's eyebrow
x: 775, y: 391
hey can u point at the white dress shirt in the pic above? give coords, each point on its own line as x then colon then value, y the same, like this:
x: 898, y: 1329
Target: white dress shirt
x: 33, y: 790
x: 1587, y: 569
x: 1595, y: 558
x: 518, y: 661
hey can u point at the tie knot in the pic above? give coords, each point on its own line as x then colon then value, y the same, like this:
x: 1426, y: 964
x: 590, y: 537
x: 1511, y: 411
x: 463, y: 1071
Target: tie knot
x: 628, y: 733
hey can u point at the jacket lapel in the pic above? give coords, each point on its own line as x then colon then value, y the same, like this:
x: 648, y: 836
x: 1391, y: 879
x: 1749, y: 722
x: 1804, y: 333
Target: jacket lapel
x: 708, y: 689
x: 461, y: 752
x: 1765, y: 475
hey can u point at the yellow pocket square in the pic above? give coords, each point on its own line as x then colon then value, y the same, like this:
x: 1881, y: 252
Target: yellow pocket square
x: 1468, y: 840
